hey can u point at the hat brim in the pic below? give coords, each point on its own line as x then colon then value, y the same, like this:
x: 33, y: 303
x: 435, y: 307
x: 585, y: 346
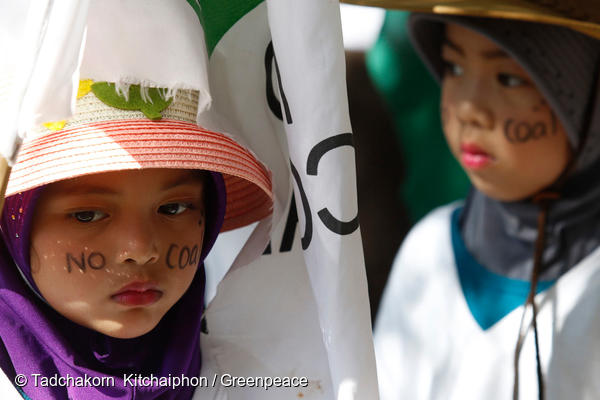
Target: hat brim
x: 140, y: 143
x: 511, y: 9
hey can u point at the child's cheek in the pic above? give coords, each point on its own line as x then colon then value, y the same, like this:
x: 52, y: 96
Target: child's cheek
x: 531, y: 120
x: 451, y: 128
x: 70, y: 261
x: 48, y: 261
x: 67, y: 275
x: 83, y: 261
x: 444, y: 113
x: 449, y: 118
x: 180, y: 256
x: 535, y: 126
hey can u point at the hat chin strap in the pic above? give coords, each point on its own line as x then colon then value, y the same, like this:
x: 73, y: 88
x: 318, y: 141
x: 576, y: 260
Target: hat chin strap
x: 544, y: 199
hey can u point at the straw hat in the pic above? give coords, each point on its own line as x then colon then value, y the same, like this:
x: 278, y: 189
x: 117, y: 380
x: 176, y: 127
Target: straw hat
x: 580, y: 15
x: 134, y: 128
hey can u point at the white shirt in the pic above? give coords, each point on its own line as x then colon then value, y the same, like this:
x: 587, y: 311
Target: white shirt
x: 429, y: 346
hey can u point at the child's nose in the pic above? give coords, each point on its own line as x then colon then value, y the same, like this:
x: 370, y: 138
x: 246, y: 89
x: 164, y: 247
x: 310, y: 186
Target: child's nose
x: 138, y: 244
x: 473, y: 108
x: 472, y: 113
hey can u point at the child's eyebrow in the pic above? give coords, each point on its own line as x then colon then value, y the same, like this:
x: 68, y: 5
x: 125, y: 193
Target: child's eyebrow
x: 453, y: 46
x: 187, y: 179
x: 91, y: 189
x: 494, y: 54
x: 487, y: 54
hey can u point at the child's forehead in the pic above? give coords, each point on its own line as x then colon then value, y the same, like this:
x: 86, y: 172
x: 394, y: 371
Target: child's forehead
x: 115, y: 181
x: 467, y: 41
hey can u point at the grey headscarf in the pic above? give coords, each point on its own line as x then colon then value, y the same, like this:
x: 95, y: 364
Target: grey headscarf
x: 564, y: 66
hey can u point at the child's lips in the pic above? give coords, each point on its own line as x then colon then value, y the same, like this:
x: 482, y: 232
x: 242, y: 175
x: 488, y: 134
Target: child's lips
x: 473, y: 156
x: 138, y: 294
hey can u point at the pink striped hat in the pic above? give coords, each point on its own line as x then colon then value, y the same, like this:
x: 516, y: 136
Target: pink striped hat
x: 144, y: 129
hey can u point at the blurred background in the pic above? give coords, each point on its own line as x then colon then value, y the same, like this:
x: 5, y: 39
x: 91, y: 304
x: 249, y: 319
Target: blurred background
x: 404, y: 168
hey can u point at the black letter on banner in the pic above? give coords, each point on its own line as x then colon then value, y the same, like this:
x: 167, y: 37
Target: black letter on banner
x: 274, y: 105
x: 290, y: 228
x: 312, y: 164
x: 267, y: 250
x: 307, y: 216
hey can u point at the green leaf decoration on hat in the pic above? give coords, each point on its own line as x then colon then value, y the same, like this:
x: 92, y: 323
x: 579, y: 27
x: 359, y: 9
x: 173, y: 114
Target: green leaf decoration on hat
x: 107, y: 93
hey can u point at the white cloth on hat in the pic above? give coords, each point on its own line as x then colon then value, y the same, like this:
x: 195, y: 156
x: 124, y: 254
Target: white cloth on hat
x: 134, y: 51
x: 107, y: 40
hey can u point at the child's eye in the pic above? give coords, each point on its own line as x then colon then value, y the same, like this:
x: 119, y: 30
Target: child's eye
x: 452, y: 69
x: 173, y: 208
x: 510, y: 81
x: 88, y: 216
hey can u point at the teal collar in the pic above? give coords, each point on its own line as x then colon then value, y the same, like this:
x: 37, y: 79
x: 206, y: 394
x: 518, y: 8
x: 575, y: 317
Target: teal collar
x: 489, y: 296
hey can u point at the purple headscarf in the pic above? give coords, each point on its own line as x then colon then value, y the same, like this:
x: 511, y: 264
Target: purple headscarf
x: 35, y: 339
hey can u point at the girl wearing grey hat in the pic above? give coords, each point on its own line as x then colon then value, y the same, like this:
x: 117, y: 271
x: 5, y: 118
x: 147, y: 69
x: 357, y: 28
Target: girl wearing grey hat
x: 497, y: 297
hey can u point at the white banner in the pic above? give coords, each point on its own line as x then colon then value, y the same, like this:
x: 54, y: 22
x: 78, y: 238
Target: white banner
x: 280, y: 80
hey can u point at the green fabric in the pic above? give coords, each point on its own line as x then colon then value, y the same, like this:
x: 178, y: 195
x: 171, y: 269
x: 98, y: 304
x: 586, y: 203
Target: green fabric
x: 107, y: 93
x: 217, y: 16
x: 432, y: 176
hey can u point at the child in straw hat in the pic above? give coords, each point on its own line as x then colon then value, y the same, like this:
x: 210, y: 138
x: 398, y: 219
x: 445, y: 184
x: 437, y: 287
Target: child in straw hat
x: 106, y: 225
x: 497, y: 297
